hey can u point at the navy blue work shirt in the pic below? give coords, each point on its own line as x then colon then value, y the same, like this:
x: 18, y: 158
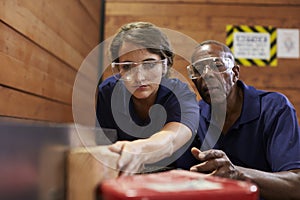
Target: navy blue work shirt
x: 266, y: 135
x: 175, y: 102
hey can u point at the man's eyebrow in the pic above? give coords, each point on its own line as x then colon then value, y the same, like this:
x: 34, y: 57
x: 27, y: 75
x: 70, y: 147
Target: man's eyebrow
x: 126, y: 61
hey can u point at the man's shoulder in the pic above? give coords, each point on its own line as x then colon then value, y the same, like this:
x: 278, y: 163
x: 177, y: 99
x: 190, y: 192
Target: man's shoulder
x: 265, y: 94
x: 276, y: 99
x: 269, y: 98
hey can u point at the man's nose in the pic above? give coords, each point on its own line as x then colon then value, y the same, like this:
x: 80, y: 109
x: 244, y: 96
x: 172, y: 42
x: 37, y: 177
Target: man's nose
x: 207, y: 71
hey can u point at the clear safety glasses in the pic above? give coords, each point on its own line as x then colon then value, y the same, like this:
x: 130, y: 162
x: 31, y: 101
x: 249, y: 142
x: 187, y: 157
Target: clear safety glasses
x: 217, y: 65
x: 127, y: 70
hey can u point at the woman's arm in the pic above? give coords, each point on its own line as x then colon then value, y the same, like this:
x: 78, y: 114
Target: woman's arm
x: 133, y: 155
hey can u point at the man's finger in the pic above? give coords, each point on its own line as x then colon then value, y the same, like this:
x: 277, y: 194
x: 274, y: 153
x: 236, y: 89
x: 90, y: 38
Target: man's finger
x: 205, y: 167
x: 211, y: 154
x: 195, y: 152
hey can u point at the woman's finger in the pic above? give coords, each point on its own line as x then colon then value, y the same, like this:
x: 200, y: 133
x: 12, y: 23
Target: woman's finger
x: 117, y: 147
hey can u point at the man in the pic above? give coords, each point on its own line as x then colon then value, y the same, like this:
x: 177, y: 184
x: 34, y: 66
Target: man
x: 254, y: 134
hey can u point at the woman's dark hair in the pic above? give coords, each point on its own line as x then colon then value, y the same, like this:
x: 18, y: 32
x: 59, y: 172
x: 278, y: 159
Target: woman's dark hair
x: 143, y: 34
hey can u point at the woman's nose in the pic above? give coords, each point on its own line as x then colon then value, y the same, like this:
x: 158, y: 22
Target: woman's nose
x: 139, y: 73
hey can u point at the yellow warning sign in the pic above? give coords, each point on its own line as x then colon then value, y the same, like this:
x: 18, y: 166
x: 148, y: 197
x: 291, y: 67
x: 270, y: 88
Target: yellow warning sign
x: 252, y: 45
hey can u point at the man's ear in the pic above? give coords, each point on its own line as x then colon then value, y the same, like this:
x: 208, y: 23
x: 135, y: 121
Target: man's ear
x: 236, y: 71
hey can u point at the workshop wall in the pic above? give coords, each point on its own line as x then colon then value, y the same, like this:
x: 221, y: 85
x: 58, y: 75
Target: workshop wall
x: 42, y: 45
x: 205, y: 19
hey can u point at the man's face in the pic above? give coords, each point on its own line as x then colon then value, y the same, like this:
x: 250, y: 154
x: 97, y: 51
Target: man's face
x: 216, y: 76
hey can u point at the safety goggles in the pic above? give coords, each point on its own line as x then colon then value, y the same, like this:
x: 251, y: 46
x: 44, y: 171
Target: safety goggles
x: 217, y: 65
x: 127, y: 70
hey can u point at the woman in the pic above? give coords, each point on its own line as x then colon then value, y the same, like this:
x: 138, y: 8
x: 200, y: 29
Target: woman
x: 154, y: 115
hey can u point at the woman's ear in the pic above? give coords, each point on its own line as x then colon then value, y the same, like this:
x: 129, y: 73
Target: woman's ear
x: 165, y: 71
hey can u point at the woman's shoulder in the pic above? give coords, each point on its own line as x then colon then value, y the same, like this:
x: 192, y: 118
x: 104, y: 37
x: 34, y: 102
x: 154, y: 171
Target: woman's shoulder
x: 107, y: 84
x: 175, y: 84
x: 177, y: 88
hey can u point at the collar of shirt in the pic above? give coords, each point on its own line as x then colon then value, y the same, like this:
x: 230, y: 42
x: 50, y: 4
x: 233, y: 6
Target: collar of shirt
x: 251, y: 106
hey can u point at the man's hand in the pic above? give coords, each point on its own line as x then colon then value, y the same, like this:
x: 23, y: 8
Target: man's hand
x: 215, y: 162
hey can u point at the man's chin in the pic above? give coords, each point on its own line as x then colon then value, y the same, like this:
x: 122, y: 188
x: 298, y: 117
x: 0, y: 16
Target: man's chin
x: 206, y: 98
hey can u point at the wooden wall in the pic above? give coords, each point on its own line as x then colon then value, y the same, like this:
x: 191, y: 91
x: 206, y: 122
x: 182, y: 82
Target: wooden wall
x: 207, y: 19
x: 42, y: 45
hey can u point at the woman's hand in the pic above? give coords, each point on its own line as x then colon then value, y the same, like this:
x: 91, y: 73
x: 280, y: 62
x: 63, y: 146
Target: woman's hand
x: 134, y: 154
x: 131, y: 159
x: 215, y: 162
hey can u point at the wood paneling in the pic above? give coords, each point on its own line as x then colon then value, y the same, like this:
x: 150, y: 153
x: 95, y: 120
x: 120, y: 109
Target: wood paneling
x: 18, y: 104
x: 69, y: 20
x: 42, y: 45
x: 258, y: 2
x: 25, y: 66
x: 206, y: 19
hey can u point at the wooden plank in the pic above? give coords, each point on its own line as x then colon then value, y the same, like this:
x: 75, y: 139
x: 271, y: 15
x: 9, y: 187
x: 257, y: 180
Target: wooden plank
x: 197, y: 10
x: 75, y: 17
x: 28, y: 67
x: 205, y: 22
x: 23, y: 20
x: 87, y: 168
x: 93, y: 8
x: 200, y: 19
x: 208, y: 24
x: 283, y: 76
x: 22, y: 49
x: 83, y: 101
x: 212, y: 28
x: 21, y: 105
x: 272, y: 2
x: 17, y: 75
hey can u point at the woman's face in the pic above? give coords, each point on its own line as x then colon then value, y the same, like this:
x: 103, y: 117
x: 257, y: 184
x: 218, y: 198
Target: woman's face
x: 143, y: 82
